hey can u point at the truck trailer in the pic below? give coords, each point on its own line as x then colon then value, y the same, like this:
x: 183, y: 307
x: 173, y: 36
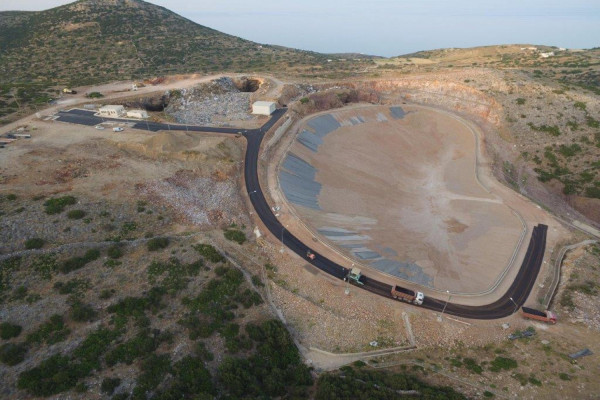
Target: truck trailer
x: 410, y: 296
x: 545, y: 316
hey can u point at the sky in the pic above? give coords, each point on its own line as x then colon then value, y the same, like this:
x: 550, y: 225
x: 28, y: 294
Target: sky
x: 387, y: 27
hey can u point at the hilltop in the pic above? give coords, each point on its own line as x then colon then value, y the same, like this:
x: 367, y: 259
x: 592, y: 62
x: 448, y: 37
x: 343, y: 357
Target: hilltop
x: 92, y: 41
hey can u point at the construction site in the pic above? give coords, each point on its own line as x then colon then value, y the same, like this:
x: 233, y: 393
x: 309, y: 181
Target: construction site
x: 403, y: 190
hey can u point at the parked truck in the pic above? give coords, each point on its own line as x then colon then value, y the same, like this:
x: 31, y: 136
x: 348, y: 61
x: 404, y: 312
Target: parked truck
x: 410, y: 296
x: 545, y: 316
x: 355, y: 276
x: 69, y: 91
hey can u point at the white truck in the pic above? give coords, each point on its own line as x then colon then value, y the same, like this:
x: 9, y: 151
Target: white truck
x: 410, y: 296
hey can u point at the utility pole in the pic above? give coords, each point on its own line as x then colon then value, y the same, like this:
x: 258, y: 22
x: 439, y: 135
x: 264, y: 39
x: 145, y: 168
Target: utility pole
x: 516, y: 305
x: 445, y: 305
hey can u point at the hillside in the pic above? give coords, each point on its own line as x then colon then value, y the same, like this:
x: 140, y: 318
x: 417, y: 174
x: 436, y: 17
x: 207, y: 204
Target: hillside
x: 92, y: 41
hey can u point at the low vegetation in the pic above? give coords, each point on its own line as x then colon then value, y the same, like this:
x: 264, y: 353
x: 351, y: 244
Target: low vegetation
x: 34, y: 243
x: 363, y: 383
x: 158, y: 243
x: 58, y: 204
x: 235, y: 235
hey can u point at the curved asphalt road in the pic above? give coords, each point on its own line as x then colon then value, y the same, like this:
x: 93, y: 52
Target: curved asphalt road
x: 505, y: 306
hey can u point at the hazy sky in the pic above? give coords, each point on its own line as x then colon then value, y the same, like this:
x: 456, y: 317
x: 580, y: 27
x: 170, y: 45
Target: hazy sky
x: 387, y: 27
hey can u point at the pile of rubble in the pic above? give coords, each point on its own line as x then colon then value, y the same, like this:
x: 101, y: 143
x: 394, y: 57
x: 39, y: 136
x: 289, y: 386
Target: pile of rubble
x: 202, y: 104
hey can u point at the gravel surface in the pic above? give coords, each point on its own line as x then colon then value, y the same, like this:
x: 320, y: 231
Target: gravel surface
x: 204, y: 103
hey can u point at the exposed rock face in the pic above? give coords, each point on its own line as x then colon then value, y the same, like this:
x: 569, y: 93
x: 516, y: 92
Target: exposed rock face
x: 447, y: 94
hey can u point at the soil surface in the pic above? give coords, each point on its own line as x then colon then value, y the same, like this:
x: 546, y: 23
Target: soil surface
x: 395, y: 188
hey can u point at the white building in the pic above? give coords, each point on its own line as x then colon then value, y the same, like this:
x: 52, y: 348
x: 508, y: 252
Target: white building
x: 263, y: 107
x: 112, y: 111
x: 137, y: 114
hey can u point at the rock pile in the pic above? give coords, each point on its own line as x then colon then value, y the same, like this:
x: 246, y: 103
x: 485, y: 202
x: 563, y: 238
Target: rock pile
x: 202, y: 104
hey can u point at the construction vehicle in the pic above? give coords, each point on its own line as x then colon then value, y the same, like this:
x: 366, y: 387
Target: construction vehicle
x: 69, y: 91
x: 410, y: 296
x: 310, y: 255
x: 354, y: 276
x: 545, y: 316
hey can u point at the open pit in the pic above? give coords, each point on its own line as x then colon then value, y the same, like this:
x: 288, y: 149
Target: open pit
x: 395, y: 189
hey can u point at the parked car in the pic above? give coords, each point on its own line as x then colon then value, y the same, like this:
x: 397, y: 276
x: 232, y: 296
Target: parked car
x: 100, y: 127
x: 118, y: 129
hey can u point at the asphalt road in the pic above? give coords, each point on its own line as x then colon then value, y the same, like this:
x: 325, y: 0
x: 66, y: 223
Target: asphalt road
x: 514, y: 297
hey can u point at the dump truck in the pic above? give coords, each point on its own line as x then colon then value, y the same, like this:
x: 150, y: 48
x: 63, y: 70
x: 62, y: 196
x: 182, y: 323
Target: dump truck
x: 69, y: 91
x: 354, y: 276
x: 310, y: 255
x: 410, y: 296
x: 545, y: 316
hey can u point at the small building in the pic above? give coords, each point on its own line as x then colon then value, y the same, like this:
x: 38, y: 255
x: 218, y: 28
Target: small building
x: 263, y: 107
x: 137, y: 114
x: 112, y: 111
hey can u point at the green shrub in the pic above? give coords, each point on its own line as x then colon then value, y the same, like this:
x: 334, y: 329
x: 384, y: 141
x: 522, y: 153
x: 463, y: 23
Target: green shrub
x: 580, y: 104
x: 74, y: 286
x: 20, y: 293
x: 250, y: 298
x: 58, y: 204
x: 76, y: 214
x: 534, y: 381
x: 156, y: 244
x: 500, y: 363
x: 75, y: 263
x: 94, y: 95
x: 154, y: 369
x: 106, y: 293
x: 8, y: 330
x: 82, y: 312
x: 235, y: 235
x: 569, y: 151
x: 174, y: 274
x: 256, y: 281
x: 128, y: 227
x: 89, y: 352
x: 12, y: 354
x: 593, y: 192
x: 203, y: 352
x: 54, y: 375
x: 209, y: 252
x: 472, y: 365
x: 488, y: 394
x: 34, y: 243
x: 11, y: 197
x: 45, y: 265
x: 115, y: 251
x: 51, y: 331
x: 140, y: 345
x: 552, y: 130
x: 136, y: 306
x: 109, y: 385
x: 275, y: 370
x: 520, y: 101
x: 564, y: 377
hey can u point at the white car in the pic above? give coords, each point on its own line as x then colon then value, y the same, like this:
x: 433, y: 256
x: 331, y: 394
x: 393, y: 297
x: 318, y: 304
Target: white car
x: 99, y: 127
x: 118, y: 129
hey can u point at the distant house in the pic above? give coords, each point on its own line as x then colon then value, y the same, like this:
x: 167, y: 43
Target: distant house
x: 546, y: 55
x: 112, y: 111
x: 137, y: 114
x: 263, y: 107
